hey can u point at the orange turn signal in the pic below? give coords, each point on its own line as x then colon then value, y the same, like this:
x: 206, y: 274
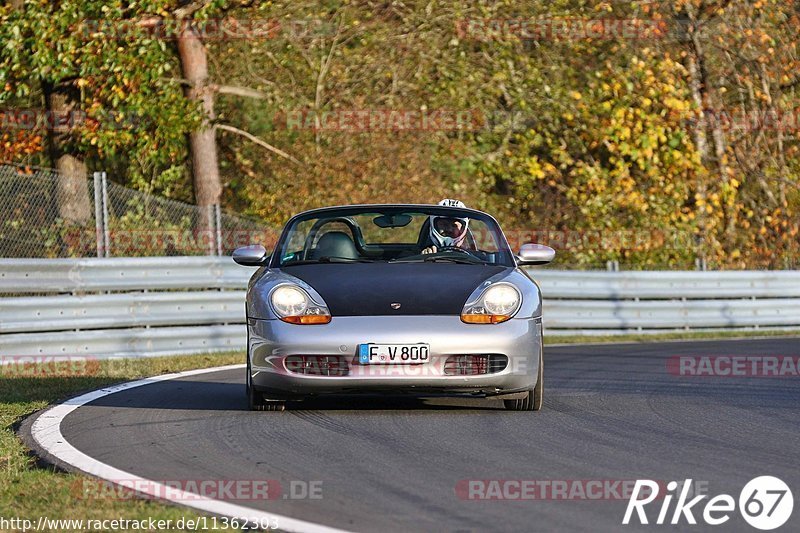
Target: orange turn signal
x: 307, y: 319
x: 484, y: 319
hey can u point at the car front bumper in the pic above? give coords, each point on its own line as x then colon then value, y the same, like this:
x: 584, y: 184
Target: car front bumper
x: 271, y: 341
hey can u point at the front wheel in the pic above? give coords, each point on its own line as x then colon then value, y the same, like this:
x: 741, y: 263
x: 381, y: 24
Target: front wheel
x: 534, y: 399
x: 256, y: 400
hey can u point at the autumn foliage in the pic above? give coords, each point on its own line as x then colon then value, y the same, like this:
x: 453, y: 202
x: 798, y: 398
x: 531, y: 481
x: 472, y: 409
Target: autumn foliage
x: 670, y: 130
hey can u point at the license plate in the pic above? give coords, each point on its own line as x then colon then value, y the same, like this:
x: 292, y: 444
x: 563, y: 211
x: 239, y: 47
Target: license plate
x: 393, y: 354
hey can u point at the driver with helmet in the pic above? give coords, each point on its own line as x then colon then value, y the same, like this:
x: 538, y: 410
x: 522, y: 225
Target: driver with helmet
x: 447, y: 232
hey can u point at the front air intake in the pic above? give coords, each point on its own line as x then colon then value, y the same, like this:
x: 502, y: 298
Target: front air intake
x: 474, y: 365
x: 317, y: 365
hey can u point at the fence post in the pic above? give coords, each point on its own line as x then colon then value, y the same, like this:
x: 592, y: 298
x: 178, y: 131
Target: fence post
x: 700, y: 264
x: 210, y: 229
x: 218, y: 223
x: 106, y: 235
x: 98, y: 215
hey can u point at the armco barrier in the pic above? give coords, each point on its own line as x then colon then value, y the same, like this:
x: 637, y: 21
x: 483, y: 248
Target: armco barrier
x: 126, y: 342
x: 121, y: 310
x: 151, y: 306
x: 119, y: 274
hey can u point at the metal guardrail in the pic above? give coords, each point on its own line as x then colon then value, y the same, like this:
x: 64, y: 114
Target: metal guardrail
x: 128, y: 310
x: 144, y: 306
x: 125, y: 310
x: 656, y: 285
x: 204, y: 272
x: 670, y: 314
x: 125, y: 342
x: 120, y: 274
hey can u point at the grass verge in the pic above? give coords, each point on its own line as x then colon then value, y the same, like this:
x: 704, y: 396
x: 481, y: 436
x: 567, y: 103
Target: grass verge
x: 30, y: 492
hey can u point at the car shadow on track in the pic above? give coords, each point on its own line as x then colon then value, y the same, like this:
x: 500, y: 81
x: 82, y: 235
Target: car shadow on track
x: 395, y: 403
x: 196, y: 395
x: 226, y: 396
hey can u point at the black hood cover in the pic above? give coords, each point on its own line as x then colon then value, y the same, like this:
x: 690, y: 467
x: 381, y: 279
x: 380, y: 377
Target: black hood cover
x: 366, y: 289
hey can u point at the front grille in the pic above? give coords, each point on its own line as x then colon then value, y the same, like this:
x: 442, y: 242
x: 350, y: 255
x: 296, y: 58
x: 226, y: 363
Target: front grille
x: 317, y: 365
x: 473, y: 365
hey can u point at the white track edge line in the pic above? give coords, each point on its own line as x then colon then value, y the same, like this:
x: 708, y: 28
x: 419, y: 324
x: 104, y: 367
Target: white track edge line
x: 46, y: 431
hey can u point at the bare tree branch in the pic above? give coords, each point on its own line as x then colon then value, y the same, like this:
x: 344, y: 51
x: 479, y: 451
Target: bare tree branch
x: 190, y: 9
x: 238, y: 91
x: 256, y: 140
x: 225, y: 89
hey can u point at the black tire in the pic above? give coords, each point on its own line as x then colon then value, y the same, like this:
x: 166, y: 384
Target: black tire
x: 273, y: 405
x: 534, y: 399
x: 256, y: 400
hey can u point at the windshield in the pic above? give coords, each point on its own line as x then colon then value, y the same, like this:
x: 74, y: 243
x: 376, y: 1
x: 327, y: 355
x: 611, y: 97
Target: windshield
x: 393, y: 234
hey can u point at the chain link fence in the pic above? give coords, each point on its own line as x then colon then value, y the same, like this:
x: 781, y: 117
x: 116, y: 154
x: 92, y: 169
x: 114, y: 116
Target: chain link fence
x: 47, y: 215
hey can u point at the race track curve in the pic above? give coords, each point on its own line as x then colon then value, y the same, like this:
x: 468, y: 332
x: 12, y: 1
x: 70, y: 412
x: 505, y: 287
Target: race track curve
x: 612, y: 412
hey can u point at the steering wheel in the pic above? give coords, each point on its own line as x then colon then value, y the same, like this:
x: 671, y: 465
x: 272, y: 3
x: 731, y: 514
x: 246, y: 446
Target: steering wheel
x: 455, y: 249
x: 452, y: 249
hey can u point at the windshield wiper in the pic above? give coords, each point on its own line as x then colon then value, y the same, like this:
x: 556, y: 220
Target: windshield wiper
x: 335, y: 259
x: 460, y: 260
x: 437, y: 259
x: 331, y: 259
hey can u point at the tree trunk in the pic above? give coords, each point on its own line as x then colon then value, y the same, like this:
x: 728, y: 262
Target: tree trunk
x: 704, y: 98
x: 700, y: 140
x: 72, y: 188
x: 203, y: 144
x: 695, y: 67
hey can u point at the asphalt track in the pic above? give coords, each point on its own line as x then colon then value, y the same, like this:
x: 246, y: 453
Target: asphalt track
x: 612, y: 412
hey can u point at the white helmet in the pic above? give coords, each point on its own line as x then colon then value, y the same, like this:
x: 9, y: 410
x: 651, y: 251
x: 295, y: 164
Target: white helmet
x: 441, y: 240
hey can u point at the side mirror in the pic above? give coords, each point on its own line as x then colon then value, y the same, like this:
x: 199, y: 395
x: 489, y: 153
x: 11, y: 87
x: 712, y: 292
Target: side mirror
x: 535, y: 254
x: 253, y: 255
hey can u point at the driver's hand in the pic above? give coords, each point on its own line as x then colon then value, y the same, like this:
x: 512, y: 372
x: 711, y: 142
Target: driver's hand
x: 429, y: 250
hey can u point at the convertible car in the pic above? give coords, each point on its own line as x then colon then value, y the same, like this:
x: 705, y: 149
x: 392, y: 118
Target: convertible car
x: 426, y: 300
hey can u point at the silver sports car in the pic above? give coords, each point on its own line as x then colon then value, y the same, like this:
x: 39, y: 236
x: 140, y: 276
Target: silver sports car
x: 412, y: 299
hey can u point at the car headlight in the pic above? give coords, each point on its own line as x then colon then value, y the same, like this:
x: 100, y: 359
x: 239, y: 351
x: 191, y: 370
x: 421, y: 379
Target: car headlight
x: 497, y: 304
x: 292, y: 304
